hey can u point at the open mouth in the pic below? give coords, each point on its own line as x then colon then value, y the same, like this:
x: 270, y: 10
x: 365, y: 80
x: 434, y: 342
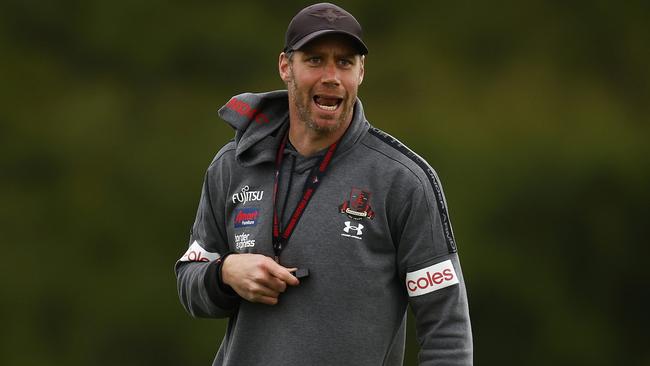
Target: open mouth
x: 327, y: 103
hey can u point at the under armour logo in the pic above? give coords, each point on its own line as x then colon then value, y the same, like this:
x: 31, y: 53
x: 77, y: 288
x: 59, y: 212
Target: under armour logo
x: 348, y: 227
x: 330, y: 14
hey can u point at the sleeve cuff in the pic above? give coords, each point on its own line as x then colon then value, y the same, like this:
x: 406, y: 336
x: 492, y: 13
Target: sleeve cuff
x: 221, y: 294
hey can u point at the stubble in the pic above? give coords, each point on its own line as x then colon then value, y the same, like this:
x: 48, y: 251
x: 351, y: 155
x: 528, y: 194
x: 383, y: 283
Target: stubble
x: 304, y: 107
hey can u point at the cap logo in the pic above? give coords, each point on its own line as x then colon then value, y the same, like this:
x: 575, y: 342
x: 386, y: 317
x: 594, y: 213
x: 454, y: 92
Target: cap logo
x: 330, y: 14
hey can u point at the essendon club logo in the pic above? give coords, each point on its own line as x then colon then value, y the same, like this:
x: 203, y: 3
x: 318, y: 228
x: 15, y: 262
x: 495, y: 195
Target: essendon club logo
x: 358, y: 206
x: 246, y: 217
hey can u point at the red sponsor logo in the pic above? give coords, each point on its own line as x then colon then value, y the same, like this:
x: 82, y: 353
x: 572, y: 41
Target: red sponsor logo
x: 246, y: 217
x: 196, y: 253
x: 242, y: 216
x: 431, y: 279
x: 196, y: 256
x: 244, y: 109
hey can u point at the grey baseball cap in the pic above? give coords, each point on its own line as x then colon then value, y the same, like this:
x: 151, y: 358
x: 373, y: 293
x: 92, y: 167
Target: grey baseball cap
x: 320, y: 19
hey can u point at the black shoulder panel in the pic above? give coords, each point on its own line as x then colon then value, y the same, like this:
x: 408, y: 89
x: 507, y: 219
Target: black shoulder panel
x: 440, y: 200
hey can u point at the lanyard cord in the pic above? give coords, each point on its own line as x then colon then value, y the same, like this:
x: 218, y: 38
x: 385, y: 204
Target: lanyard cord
x: 286, y: 196
x: 281, y: 237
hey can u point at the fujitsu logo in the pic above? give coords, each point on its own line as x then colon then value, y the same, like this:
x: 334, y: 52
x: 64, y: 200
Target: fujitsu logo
x: 431, y: 279
x: 247, y: 195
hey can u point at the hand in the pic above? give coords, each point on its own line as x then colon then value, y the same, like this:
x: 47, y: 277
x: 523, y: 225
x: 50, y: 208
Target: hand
x: 257, y: 278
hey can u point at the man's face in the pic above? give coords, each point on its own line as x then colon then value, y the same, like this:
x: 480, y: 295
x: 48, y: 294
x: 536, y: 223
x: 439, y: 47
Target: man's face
x: 323, y: 78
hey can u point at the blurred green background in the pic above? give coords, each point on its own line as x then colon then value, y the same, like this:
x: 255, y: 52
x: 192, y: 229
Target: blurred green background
x: 534, y: 114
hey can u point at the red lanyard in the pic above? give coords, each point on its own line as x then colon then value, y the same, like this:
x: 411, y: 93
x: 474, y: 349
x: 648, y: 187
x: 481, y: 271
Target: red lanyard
x: 280, y: 238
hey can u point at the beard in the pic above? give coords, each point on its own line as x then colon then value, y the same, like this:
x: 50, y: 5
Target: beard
x: 305, y: 108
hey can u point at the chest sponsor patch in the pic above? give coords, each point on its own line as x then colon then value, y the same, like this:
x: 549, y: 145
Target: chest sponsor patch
x: 246, y: 195
x: 243, y: 241
x: 432, y: 278
x: 245, y: 217
x: 196, y: 253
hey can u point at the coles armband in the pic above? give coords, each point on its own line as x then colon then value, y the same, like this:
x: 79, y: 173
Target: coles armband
x: 430, y: 279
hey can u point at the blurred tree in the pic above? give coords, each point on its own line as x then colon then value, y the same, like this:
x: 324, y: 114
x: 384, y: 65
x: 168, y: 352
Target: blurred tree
x: 534, y: 114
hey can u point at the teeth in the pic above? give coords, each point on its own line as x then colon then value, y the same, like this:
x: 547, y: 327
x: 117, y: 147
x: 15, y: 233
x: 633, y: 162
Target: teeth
x: 328, y: 101
x: 327, y: 107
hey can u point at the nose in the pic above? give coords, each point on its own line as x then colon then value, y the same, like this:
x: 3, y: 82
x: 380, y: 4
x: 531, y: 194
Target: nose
x: 330, y: 74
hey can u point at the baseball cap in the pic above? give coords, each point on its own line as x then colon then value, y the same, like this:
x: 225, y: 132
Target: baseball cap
x: 320, y: 19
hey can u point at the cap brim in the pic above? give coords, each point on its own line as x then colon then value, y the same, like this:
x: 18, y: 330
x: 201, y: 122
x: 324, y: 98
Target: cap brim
x: 363, y: 50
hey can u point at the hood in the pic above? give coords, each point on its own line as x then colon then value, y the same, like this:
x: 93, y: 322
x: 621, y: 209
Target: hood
x: 260, y: 120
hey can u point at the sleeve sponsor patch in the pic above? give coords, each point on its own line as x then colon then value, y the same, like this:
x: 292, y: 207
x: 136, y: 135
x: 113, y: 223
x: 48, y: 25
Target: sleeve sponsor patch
x: 432, y: 278
x: 196, y: 253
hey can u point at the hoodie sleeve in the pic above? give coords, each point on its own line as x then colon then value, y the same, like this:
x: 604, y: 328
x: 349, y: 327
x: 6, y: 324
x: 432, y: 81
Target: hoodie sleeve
x: 429, y: 264
x: 198, y: 271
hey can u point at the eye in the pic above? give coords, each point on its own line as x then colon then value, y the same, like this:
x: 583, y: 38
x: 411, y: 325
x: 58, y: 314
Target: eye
x: 313, y: 60
x: 344, y: 62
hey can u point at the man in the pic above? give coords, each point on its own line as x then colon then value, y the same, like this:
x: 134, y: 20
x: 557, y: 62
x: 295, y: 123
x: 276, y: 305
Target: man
x: 315, y: 230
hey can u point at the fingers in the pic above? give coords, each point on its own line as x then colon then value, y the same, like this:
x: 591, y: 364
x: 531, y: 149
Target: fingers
x: 277, y: 277
x: 257, y: 291
x: 257, y: 278
x: 268, y: 300
x: 284, y: 274
x: 273, y: 283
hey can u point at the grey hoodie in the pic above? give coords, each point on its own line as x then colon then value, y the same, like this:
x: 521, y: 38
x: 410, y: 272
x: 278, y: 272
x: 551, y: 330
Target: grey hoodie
x: 375, y: 237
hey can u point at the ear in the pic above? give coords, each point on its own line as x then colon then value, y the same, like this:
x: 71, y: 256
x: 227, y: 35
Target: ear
x: 363, y: 69
x: 283, y: 67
